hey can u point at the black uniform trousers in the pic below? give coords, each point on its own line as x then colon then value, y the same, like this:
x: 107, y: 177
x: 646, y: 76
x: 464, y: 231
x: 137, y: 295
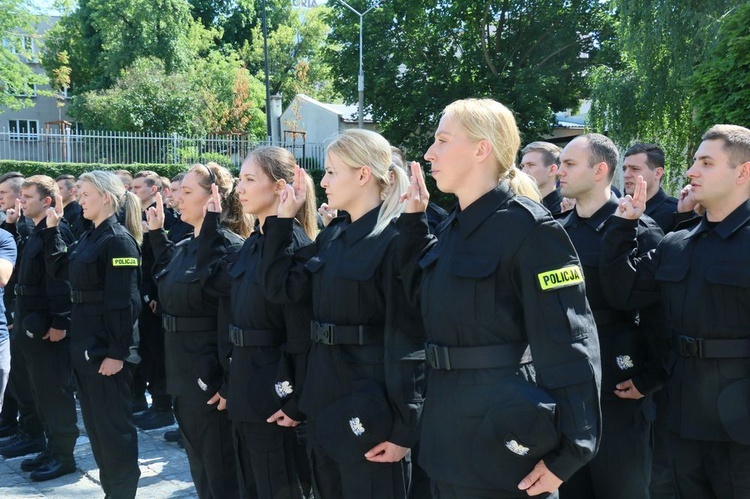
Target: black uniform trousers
x: 105, y: 406
x: 47, y: 365
x: 29, y: 422
x: 710, y: 470
x: 622, y: 467
x: 151, y: 350
x: 207, y: 435
x: 268, y: 461
x: 662, y: 480
x: 358, y: 480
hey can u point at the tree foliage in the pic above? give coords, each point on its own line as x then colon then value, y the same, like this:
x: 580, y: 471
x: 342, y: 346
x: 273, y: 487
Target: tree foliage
x: 721, y: 84
x: 16, y: 77
x: 216, y: 97
x: 419, y: 55
x: 646, y: 94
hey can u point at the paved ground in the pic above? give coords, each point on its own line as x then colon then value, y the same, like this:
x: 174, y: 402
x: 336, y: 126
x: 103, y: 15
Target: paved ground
x: 164, y: 472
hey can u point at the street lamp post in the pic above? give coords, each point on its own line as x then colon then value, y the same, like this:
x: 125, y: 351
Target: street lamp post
x: 265, y: 62
x: 361, y: 76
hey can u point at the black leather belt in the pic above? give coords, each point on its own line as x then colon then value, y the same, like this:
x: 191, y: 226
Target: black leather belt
x: 254, y: 337
x: 481, y: 357
x: 22, y: 290
x: 331, y: 334
x: 606, y: 317
x: 172, y: 324
x: 86, y: 296
x: 687, y: 346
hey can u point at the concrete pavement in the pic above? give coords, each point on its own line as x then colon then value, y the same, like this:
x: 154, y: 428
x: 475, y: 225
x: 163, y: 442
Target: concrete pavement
x: 164, y: 472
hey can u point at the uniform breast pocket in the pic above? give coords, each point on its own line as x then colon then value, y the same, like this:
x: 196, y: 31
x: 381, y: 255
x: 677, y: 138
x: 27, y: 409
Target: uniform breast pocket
x: 187, y: 285
x: 476, y: 290
x: 84, y: 272
x: 672, y: 276
x: 354, y: 282
x: 731, y: 292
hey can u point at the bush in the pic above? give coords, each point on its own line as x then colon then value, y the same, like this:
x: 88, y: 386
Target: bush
x: 28, y: 168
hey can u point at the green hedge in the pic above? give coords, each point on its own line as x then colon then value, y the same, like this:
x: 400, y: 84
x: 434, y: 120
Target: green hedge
x: 28, y: 168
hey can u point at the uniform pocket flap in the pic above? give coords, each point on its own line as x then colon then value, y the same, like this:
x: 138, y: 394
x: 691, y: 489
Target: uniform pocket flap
x: 568, y: 374
x: 671, y: 273
x: 474, y: 266
x: 732, y: 276
x: 314, y: 264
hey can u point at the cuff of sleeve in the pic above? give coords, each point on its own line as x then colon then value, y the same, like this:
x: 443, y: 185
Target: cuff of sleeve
x: 404, y: 436
x: 117, y: 353
x: 646, y: 383
x: 49, y: 233
x: 617, y: 222
x: 412, y: 222
x: 563, y: 465
x: 62, y: 323
x: 291, y: 409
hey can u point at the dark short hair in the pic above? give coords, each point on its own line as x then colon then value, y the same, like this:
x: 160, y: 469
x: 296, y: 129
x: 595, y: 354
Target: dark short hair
x: 70, y: 180
x: 736, y: 141
x: 550, y: 152
x: 178, y: 177
x: 150, y: 178
x: 602, y: 150
x: 654, y: 154
x: 45, y: 186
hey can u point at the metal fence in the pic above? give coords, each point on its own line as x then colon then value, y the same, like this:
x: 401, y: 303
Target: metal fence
x: 145, y: 148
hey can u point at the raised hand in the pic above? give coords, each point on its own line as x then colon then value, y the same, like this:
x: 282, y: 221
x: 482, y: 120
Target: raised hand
x: 13, y: 214
x: 155, y: 214
x: 417, y: 197
x: 567, y: 204
x: 327, y: 213
x: 632, y: 207
x: 686, y: 201
x: 213, y: 204
x: 293, y: 196
x: 55, y: 213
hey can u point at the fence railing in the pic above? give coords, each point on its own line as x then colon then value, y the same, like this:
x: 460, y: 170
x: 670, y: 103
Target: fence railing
x: 145, y: 148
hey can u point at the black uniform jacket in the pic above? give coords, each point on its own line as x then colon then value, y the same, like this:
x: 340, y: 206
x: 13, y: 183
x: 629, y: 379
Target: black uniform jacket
x: 663, y: 209
x: 630, y: 349
x: 351, y: 277
x: 701, y: 274
x: 197, y: 356
x: 552, y: 202
x: 268, y: 374
x: 502, y: 272
x: 103, y: 268
x: 47, y: 299
x: 149, y: 290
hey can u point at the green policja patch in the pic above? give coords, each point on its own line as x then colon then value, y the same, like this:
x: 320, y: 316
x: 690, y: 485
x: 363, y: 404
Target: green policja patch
x: 560, y: 278
x: 125, y: 262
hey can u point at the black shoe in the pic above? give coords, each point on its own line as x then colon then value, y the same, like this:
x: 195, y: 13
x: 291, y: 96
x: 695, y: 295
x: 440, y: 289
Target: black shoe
x: 172, y: 435
x: 139, y: 405
x: 159, y: 418
x: 22, y: 446
x: 53, y: 469
x: 8, y: 429
x: 36, y: 462
x: 143, y: 415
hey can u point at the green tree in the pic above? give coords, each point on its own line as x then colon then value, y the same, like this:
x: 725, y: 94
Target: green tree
x: 16, y: 77
x: 422, y: 54
x: 721, y: 84
x: 646, y: 94
x: 102, y: 37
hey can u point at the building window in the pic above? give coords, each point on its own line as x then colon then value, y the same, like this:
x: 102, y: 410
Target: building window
x: 23, y: 129
x: 26, y: 91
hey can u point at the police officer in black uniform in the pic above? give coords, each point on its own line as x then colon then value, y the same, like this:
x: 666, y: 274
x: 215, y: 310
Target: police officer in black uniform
x: 103, y: 268
x: 363, y: 391
x: 43, y: 315
x: 197, y: 357
x: 631, y: 370
x: 541, y: 160
x: 512, y: 405
x: 647, y: 160
x: 269, y: 341
x: 700, y: 273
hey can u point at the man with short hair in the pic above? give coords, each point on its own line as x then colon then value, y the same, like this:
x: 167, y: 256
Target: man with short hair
x: 700, y: 273
x: 587, y: 166
x: 126, y: 177
x: 647, y: 160
x: 541, y: 160
x: 72, y: 211
x: 43, y: 317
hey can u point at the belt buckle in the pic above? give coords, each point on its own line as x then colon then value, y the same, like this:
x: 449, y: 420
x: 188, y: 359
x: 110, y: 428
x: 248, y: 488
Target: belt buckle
x: 437, y: 356
x: 326, y: 334
x: 169, y: 322
x: 690, y: 347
